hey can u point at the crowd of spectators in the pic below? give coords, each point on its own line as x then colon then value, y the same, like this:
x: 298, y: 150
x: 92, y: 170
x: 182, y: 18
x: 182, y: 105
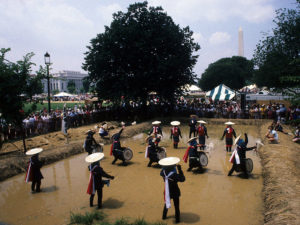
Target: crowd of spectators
x: 43, y: 122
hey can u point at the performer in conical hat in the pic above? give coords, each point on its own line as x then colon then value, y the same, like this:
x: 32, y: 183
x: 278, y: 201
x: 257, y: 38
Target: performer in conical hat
x: 151, y: 150
x: 192, y: 154
x: 175, y: 133
x: 33, y: 173
x: 229, y: 132
x: 171, y: 191
x: 116, y: 150
x: 201, y: 132
x: 89, y: 141
x: 96, y: 173
x: 238, y: 156
x: 156, y: 129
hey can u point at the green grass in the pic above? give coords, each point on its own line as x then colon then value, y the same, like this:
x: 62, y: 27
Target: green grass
x: 54, y: 105
x: 98, y: 218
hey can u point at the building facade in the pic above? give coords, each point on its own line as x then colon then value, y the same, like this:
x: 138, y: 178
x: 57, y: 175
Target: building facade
x: 59, y: 81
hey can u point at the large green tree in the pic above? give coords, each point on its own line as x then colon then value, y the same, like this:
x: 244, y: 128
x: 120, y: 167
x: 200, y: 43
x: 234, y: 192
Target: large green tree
x: 277, y: 55
x: 16, y: 86
x: 143, y: 50
x: 234, y: 72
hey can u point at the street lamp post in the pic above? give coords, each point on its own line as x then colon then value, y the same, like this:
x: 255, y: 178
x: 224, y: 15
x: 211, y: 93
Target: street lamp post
x: 47, y: 62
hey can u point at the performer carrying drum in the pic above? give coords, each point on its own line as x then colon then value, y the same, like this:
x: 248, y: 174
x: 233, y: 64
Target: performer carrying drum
x: 153, y: 151
x: 238, y: 157
x: 90, y: 142
x: 192, y: 153
x: 175, y: 133
x: 171, y: 190
x: 229, y: 132
x: 201, y: 132
x: 33, y: 173
x: 96, y: 173
x: 116, y: 148
x: 156, y: 130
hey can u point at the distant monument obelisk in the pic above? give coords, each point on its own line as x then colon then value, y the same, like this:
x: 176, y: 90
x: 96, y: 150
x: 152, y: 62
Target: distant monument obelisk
x: 241, y: 43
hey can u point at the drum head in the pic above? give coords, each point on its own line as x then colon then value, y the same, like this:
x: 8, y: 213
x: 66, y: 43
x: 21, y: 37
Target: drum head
x: 249, y: 165
x: 161, y: 153
x: 203, y: 159
x: 128, y: 154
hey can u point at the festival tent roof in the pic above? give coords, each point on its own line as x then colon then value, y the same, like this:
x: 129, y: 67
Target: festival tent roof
x: 220, y: 93
x: 63, y: 94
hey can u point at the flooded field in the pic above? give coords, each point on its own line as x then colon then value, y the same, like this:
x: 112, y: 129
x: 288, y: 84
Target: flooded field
x: 137, y: 191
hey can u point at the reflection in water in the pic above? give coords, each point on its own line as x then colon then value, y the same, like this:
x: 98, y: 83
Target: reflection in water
x: 137, y: 191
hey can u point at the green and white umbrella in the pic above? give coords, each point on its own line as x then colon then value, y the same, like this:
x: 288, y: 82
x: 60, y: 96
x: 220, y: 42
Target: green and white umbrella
x: 220, y: 93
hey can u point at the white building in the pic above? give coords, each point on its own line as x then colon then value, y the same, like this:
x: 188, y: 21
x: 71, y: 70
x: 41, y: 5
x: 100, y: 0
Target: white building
x: 59, y: 81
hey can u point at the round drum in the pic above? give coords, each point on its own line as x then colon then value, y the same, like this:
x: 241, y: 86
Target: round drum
x: 128, y: 154
x: 161, y: 153
x: 203, y: 159
x: 249, y: 165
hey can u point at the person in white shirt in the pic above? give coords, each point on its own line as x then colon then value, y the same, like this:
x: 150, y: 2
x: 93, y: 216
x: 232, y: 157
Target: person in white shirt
x: 272, y: 135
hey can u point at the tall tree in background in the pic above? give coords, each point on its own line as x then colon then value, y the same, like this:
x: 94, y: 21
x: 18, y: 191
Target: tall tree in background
x: 234, y: 72
x: 16, y: 85
x: 277, y: 56
x: 143, y: 50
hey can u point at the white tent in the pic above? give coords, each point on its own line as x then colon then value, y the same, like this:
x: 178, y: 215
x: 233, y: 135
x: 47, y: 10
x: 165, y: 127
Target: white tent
x: 193, y: 88
x: 220, y: 93
x: 63, y: 94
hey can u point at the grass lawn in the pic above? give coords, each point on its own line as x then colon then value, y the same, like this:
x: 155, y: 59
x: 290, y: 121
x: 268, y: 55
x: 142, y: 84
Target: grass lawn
x: 54, y: 105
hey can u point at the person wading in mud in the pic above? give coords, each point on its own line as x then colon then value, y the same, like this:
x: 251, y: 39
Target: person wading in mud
x: 95, y: 182
x: 89, y: 142
x: 238, y: 157
x: 33, y: 173
x: 175, y: 133
x: 116, y: 149
x: 229, y: 133
x: 192, y: 125
x: 201, y: 132
x: 171, y: 177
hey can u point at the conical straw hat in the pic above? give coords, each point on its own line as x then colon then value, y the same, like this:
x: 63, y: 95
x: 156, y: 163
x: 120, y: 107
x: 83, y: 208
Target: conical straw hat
x: 169, y: 161
x: 94, y: 157
x: 34, y: 151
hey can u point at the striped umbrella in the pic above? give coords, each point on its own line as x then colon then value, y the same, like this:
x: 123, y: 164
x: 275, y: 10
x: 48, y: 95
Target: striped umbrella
x: 220, y: 93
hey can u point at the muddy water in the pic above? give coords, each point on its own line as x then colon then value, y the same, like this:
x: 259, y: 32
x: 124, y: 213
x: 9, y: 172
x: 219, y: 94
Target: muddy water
x: 207, y: 198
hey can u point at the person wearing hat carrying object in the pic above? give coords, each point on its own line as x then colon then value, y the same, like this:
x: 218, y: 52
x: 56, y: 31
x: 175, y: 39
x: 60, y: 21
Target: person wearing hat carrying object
x: 192, y: 153
x: 116, y: 150
x: 89, y: 142
x: 202, y: 132
x: 156, y: 128
x: 95, y: 182
x: 33, y: 173
x: 272, y: 135
x: 229, y: 132
x: 192, y: 125
x: 238, y: 156
x: 171, y: 178
x: 151, y: 150
x: 175, y: 133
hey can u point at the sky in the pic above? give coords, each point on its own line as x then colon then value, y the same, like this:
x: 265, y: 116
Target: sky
x: 65, y: 27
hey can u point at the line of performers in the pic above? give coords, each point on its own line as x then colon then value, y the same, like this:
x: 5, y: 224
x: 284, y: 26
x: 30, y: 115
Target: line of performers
x: 171, y: 171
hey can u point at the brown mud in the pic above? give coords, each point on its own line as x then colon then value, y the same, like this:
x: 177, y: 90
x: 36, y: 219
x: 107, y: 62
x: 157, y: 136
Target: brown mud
x: 270, y: 196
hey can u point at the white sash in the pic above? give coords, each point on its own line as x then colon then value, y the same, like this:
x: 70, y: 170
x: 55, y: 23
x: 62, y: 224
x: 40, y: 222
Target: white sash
x: 167, y: 191
x: 92, y: 177
x: 146, y: 152
x: 235, y: 156
x: 28, y: 172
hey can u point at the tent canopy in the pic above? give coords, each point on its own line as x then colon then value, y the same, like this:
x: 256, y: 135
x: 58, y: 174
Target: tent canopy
x: 63, y: 94
x: 220, y: 93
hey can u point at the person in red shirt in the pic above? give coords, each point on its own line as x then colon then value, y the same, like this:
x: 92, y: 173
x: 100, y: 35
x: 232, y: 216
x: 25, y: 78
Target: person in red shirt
x: 175, y: 133
x: 201, y: 132
x: 229, y: 132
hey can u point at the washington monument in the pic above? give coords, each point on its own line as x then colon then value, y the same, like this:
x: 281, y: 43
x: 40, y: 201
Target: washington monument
x: 241, y: 43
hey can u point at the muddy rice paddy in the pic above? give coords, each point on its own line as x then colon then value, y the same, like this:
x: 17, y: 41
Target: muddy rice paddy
x: 137, y: 191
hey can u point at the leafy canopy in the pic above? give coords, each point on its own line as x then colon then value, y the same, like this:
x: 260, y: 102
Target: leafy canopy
x: 234, y: 72
x: 142, y: 51
x: 277, y: 56
x: 16, y: 85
